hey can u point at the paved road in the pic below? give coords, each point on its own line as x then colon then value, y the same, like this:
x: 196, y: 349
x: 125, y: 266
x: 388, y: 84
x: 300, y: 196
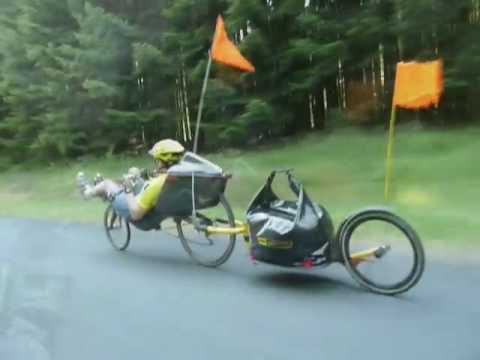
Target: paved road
x: 66, y: 295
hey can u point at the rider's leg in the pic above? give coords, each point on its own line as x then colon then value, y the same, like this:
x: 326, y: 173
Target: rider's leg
x: 106, y: 188
x: 125, y: 204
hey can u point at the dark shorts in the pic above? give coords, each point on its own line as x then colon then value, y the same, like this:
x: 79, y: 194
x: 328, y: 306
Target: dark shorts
x: 120, y: 205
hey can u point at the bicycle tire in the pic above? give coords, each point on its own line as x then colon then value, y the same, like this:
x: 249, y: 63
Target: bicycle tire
x: 225, y: 254
x: 109, y: 217
x: 345, y: 234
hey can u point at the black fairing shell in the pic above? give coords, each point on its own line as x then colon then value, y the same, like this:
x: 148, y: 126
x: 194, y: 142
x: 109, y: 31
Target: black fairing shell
x: 175, y: 200
x: 287, y: 232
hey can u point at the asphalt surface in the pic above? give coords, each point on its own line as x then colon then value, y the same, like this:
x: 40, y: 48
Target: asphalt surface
x: 65, y: 294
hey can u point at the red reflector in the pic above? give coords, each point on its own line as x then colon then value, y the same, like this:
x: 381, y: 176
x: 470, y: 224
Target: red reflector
x: 171, y: 179
x: 308, y: 263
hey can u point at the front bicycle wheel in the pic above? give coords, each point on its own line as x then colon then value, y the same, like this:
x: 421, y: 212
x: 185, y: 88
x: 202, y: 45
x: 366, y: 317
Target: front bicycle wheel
x: 209, y: 250
x: 382, y: 252
x: 117, y: 229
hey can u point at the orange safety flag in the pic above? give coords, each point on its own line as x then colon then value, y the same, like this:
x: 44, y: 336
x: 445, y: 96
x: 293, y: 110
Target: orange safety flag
x: 418, y: 85
x: 225, y: 52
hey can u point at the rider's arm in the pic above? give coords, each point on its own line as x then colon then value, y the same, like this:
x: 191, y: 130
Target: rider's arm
x: 147, y: 199
x: 136, y: 211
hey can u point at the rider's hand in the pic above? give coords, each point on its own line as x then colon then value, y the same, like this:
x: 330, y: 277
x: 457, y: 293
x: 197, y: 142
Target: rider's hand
x: 127, y: 183
x: 133, y: 179
x: 144, y: 174
x: 129, y: 179
x: 134, y: 172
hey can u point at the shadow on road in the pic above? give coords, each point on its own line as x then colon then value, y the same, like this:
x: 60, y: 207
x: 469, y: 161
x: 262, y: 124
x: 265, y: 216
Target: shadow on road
x: 154, y: 262
x: 151, y: 262
x: 303, y: 282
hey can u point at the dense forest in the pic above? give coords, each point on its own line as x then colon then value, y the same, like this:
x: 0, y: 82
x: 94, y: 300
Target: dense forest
x: 110, y: 76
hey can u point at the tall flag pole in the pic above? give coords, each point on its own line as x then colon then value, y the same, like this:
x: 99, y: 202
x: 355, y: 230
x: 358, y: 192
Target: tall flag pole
x: 224, y: 52
x: 200, y: 105
x: 389, y: 165
x: 417, y: 86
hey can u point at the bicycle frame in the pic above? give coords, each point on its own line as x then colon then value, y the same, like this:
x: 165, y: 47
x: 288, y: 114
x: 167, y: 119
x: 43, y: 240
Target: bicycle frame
x: 242, y: 230
x: 239, y: 229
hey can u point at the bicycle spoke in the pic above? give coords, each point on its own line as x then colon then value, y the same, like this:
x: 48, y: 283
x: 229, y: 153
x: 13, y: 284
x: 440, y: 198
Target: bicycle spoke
x: 205, y: 248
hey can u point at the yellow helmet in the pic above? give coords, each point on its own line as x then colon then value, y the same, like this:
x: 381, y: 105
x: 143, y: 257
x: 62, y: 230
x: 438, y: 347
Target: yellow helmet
x: 167, y: 151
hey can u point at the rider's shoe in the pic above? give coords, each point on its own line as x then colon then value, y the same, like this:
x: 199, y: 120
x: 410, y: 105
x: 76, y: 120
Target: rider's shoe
x: 84, y: 186
x: 98, y: 179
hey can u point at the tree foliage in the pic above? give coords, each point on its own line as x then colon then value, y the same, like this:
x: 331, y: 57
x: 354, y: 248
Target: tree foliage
x: 102, y: 76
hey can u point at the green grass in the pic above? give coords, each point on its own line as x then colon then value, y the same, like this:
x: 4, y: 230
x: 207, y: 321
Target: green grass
x: 436, y: 179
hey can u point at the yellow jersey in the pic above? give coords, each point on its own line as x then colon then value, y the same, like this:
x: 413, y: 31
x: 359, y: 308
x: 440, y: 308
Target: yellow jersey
x: 148, y: 197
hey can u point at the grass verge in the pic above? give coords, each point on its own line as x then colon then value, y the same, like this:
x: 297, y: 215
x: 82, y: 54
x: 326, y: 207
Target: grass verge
x: 436, y: 179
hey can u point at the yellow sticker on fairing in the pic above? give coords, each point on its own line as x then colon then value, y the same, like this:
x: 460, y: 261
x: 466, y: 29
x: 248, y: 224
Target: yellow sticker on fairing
x: 275, y: 244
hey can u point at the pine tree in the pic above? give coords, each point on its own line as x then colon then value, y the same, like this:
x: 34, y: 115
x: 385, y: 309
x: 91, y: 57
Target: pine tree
x: 186, y: 43
x: 96, y: 70
x: 102, y: 76
x: 30, y: 34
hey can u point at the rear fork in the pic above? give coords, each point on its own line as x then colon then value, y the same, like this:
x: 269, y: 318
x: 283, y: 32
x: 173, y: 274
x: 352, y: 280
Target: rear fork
x: 334, y: 252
